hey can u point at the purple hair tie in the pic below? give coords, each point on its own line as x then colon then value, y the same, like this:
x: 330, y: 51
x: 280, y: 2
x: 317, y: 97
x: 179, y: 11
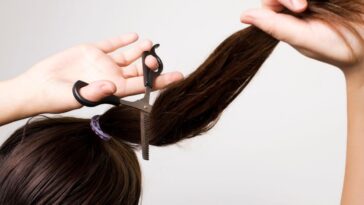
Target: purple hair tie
x: 95, y: 126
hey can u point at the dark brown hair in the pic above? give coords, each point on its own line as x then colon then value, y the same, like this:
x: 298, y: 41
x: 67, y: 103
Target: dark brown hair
x: 62, y: 161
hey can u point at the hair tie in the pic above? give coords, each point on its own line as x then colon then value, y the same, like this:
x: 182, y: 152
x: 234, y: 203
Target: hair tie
x: 95, y: 126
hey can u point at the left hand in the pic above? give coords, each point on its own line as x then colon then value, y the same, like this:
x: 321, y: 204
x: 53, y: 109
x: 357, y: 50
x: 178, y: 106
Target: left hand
x: 311, y: 36
x: 49, y: 83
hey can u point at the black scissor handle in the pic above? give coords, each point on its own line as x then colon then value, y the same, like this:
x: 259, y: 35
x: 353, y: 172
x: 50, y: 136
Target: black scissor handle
x: 149, y: 74
x: 112, y: 99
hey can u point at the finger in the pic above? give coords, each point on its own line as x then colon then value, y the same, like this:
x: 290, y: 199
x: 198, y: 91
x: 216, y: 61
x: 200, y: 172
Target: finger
x: 136, y: 69
x: 136, y: 86
x: 112, y: 44
x: 281, y: 26
x: 97, y: 90
x: 278, y: 5
x: 127, y: 57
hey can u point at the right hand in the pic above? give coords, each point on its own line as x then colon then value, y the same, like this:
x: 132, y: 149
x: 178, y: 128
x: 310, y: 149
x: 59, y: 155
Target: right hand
x: 48, y: 84
x: 309, y: 36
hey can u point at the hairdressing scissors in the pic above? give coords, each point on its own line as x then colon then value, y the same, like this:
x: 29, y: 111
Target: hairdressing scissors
x: 143, y: 104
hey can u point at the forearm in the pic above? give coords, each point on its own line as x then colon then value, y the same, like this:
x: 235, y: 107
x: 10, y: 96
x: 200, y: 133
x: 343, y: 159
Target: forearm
x: 353, y: 191
x: 16, y: 101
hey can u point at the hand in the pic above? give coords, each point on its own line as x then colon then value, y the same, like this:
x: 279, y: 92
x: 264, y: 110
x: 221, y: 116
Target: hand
x: 309, y: 36
x: 317, y: 40
x: 49, y: 83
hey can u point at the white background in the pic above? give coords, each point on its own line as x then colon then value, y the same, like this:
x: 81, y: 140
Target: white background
x: 281, y: 142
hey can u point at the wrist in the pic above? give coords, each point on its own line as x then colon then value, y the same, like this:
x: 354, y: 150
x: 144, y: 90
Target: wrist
x: 354, y: 76
x: 18, y: 101
x: 354, y: 172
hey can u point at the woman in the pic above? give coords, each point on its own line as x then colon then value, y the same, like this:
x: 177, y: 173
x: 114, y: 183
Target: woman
x: 310, y: 36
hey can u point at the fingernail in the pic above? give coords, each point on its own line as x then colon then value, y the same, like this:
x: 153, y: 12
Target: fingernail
x: 152, y: 62
x: 106, y: 88
x: 246, y: 18
x: 297, y: 3
x: 251, y: 15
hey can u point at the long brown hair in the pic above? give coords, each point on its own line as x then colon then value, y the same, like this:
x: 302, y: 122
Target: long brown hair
x: 62, y: 161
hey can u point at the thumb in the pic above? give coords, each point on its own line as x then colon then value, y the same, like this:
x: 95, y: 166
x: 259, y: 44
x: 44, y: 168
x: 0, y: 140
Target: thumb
x: 97, y: 90
x: 283, y: 27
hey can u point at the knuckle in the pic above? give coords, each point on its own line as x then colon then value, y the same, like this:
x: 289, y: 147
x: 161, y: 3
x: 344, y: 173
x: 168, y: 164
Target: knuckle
x: 89, y: 51
x: 112, y: 43
x: 122, y: 59
x: 85, y: 47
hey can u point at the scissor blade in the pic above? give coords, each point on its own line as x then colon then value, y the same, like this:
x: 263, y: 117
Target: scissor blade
x: 141, y: 105
x: 144, y: 132
x: 148, y: 90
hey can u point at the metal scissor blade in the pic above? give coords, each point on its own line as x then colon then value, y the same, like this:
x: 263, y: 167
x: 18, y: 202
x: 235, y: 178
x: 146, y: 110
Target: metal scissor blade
x: 144, y: 125
x: 148, y: 90
x: 139, y: 104
x: 144, y: 132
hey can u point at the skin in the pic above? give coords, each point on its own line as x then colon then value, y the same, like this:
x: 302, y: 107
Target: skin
x: 47, y: 86
x: 318, y: 41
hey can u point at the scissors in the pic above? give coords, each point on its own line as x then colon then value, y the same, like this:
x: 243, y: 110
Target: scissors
x: 143, y: 105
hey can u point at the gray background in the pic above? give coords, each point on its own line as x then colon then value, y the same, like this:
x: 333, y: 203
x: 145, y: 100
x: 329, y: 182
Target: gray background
x: 281, y: 142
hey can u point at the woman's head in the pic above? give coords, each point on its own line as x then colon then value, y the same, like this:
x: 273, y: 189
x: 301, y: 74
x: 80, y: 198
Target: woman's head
x: 61, y: 161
